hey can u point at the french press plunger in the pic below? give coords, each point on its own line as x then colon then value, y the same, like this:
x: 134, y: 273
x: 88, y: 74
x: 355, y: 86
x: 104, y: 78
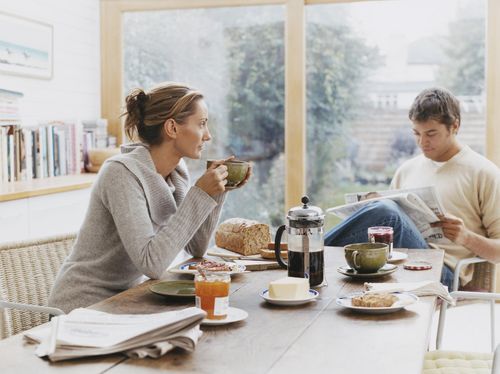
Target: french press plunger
x: 305, y: 243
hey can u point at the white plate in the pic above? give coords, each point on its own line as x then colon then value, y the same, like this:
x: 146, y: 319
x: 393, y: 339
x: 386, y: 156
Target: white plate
x: 404, y: 299
x: 233, y: 315
x: 397, y: 256
x: 184, y: 268
x: 312, y: 295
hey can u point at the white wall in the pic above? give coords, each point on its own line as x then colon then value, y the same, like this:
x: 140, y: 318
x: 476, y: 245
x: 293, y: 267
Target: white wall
x: 73, y: 92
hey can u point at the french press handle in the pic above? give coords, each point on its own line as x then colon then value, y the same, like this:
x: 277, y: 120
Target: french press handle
x: 277, y: 246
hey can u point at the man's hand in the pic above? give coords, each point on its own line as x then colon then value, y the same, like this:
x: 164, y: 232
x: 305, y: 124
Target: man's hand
x: 454, y: 229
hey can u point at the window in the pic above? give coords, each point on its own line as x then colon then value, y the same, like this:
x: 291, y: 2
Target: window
x: 235, y: 56
x: 366, y: 62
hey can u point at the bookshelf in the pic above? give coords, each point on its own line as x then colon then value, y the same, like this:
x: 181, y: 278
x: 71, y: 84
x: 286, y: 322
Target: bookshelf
x: 46, y: 158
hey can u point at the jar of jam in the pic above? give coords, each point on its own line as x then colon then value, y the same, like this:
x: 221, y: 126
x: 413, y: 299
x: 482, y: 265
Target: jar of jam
x: 212, y: 293
x: 382, y: 234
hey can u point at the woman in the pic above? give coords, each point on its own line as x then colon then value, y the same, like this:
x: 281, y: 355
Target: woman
x: 143, y: 210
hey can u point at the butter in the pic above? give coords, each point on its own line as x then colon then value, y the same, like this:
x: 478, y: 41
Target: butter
x: 289, y: 288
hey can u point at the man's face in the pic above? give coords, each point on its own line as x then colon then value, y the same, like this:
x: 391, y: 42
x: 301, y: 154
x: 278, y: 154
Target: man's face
x: 436, y: 141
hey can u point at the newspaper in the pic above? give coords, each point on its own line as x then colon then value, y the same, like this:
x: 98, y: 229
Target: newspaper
x: 85, y: 332
x: 422, y: 205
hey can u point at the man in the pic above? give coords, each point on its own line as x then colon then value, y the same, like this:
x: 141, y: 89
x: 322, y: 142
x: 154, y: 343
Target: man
x: 467, y: 183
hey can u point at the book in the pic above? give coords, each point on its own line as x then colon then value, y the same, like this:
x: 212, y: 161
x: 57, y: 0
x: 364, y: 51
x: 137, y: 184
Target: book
x: 85, y: 332
x: 422, y: 205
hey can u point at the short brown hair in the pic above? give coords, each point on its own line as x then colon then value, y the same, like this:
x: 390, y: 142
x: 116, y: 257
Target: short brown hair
x: 436, y: 104
x: 147, y: 111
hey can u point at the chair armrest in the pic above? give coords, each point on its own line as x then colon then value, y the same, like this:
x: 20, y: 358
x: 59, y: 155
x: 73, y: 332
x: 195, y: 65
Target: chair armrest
x: 475, y: 295
x: 32, y: 308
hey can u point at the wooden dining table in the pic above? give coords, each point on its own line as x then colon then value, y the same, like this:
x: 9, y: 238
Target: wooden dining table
x: 317, y: 337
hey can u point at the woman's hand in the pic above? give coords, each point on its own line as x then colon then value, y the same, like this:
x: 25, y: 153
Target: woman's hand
x: 247, y: 177
x: 213, y: 181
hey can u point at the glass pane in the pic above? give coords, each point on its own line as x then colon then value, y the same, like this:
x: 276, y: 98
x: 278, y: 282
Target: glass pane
x: 235, y: 56
x: 366, y: 62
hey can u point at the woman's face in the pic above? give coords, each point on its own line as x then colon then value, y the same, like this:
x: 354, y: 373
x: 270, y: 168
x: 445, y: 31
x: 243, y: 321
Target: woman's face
x: 193, y: 133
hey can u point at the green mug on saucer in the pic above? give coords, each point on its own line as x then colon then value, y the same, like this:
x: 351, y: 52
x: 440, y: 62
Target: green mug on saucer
x: 236, y: 171
x: 366, y: 257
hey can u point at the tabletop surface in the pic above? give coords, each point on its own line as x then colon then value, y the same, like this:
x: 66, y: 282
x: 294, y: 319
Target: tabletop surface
x: 318, y: 337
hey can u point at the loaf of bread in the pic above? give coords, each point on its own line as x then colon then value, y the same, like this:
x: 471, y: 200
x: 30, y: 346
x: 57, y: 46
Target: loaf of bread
x: 242, y: 236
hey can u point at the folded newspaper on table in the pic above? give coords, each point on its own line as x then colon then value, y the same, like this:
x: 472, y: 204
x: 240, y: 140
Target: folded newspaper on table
x: 424, y: 288
x: 422, y: 205
x: 86, y: 332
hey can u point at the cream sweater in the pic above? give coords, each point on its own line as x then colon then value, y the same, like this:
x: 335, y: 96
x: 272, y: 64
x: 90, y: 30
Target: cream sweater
x: 135, y: 225
x: 469, y: 187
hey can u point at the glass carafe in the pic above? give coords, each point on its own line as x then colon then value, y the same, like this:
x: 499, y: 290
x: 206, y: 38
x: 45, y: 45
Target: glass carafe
x: 305, y: 243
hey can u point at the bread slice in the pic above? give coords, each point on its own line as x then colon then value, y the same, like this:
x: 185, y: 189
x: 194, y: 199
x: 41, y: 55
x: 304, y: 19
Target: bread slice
x: 268, y: 253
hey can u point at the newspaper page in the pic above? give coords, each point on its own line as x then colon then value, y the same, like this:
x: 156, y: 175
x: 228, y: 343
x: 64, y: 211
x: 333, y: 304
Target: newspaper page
x: 422, y: 205
x: 86, y: 332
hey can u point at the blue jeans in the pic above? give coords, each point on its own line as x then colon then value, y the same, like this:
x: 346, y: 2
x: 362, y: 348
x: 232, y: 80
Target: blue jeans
x: 354, y: 229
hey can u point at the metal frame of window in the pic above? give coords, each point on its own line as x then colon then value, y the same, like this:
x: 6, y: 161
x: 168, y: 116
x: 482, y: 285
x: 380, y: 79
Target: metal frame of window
x: 295, y: 75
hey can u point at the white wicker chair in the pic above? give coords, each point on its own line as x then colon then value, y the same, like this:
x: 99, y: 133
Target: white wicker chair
x: 483, y: 280
x: 441, y: 361
x: 27, y: 273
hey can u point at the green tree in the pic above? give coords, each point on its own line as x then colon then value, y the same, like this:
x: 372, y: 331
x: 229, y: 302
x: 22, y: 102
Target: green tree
x: 464, y: 49
x: 256, y: 98
x: 336, y: 63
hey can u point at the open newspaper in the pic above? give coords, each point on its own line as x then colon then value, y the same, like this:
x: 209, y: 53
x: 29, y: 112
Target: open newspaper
x: 85, y: 332
x: 422, y: 205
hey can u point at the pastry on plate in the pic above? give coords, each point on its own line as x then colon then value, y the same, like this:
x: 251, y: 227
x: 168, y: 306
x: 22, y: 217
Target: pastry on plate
x: 374, y: 300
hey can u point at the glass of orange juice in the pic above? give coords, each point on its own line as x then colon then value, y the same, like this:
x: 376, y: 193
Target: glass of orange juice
x: 212, y: 293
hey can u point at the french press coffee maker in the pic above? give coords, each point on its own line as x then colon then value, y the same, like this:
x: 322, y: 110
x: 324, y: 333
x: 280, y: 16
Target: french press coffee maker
x: 305, y: 243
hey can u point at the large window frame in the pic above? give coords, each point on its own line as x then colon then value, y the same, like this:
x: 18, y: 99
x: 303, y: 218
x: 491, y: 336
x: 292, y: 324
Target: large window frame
x: 295, y: 74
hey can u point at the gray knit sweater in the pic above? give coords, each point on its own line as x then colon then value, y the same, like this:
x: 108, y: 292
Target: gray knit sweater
x: 136, y: 223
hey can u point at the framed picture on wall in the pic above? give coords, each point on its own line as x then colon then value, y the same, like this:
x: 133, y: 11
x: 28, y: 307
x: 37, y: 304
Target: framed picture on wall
x: 25, y: 47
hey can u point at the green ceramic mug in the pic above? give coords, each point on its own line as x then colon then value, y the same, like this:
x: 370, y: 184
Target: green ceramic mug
x: 366, y: 257
x: 236, y: 169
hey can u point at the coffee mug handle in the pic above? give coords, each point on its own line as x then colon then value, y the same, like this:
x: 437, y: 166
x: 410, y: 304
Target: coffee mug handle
x: 277, y: 247
x: 354, y: 257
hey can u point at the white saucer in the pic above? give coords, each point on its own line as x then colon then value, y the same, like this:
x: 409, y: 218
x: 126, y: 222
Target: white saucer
x: 382, y: 272
x: 404, y: 299
x: 312, y: 295
x: 397, y: 256
x: 233, y: 315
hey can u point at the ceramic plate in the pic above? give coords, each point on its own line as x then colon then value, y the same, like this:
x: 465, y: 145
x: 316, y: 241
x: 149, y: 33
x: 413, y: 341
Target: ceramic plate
x: 178, y: 288
x: 312, y: 295
x: 404, y: 299
x: 233, y: 315
x: 385, y: 270
x: 184, y: 268
x: 397, y: 256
